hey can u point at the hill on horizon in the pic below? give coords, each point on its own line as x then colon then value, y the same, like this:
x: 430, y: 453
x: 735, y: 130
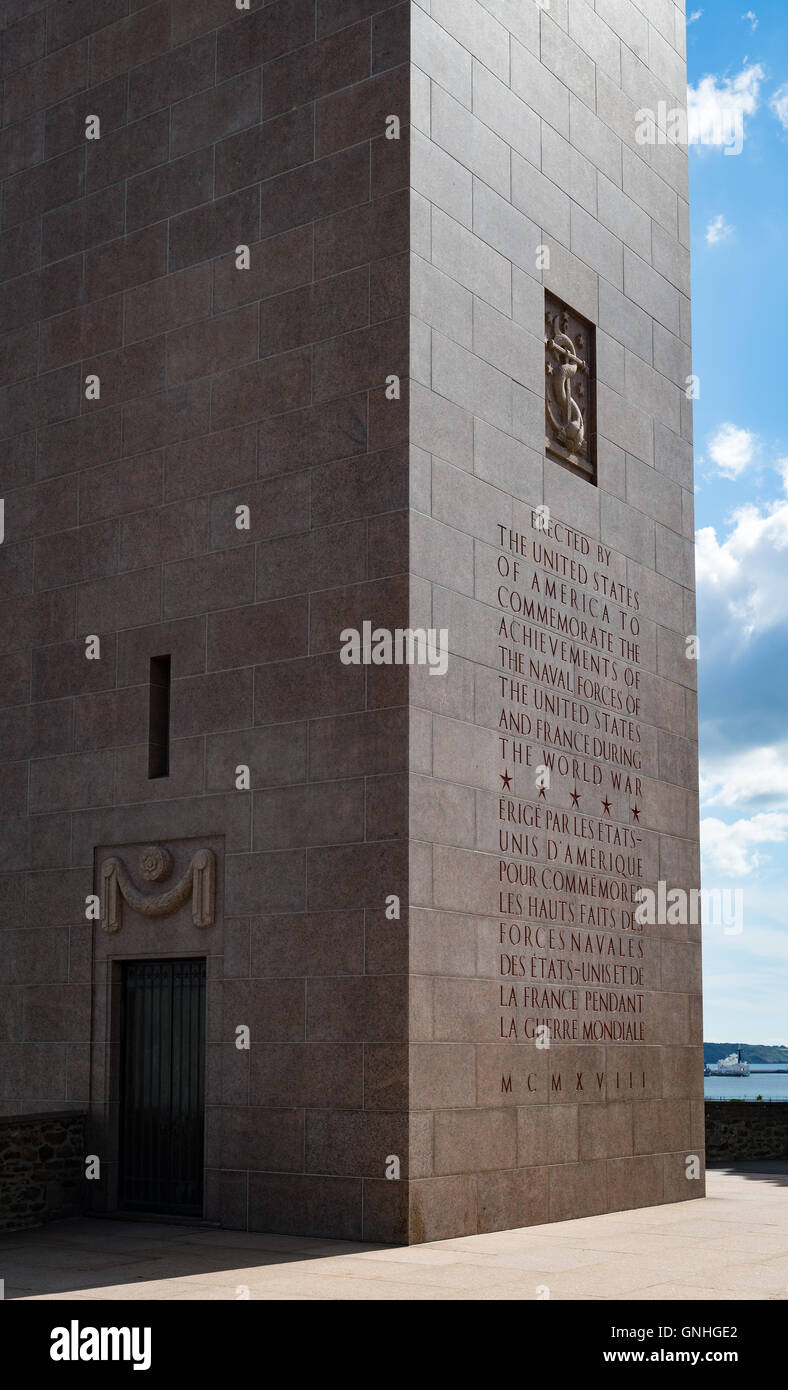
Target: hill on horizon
x: 751, y: 1052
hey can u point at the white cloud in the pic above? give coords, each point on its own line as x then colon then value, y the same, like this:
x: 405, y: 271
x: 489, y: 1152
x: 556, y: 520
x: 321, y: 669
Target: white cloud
x: 715, y: 564
x: 753, y: 18
x: 718, y: 230
x: 742, y: 1002
x: 731, y: 448
x: 717, y: 107
x: 745, y: 575
x: 758, y: 942
x: 696, y: 14
x: 779, y: 105
x: 739, y: 778
x: 732, y: 850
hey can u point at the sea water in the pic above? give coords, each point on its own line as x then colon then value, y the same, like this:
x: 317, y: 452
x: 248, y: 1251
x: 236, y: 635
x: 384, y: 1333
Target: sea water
x: 769, y: 1085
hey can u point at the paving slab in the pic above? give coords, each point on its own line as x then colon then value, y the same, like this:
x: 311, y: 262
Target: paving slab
x: 732, y: 1245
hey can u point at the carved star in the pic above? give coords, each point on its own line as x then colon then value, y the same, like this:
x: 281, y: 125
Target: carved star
x: 575, y: 797
x: 506, y: 779
x: 543, y: 793
x: 549, y: 368
x: 606, y: 806
x: 636, y: 813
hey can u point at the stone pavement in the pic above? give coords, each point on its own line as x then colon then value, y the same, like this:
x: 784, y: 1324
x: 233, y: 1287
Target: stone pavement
x: 732, y: 1245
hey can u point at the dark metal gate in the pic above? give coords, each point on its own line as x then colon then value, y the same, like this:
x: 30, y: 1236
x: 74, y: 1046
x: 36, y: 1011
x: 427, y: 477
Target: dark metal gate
x: 162, y: 1087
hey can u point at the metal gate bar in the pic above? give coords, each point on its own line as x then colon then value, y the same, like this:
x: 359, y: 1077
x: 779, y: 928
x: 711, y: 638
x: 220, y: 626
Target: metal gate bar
x: 162, y: 1087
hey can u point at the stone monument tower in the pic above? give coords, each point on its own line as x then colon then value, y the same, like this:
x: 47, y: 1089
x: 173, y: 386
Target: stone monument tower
x: 348, y: 679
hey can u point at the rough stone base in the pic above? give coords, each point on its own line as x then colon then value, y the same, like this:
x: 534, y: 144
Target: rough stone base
x: 746, y: 1130
x: 41, y: 1167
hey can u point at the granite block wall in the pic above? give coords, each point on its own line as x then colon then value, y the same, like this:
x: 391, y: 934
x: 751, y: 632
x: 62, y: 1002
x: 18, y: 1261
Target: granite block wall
x: 228, y: 378
x: 567, y: 635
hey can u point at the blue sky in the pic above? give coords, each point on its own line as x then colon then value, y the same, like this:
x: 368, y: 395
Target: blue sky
x: 738, y: 62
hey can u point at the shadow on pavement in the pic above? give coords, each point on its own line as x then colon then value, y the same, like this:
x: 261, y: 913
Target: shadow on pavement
x: 64, y: 1257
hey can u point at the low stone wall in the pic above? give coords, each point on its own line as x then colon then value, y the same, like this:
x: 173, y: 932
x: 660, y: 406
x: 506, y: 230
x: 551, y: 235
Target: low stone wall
x: 746, y: 1130
x: 41, y: 1167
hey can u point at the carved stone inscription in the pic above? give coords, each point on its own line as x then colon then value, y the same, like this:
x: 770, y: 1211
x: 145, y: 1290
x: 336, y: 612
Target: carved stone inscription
x: 575, y: 966
x: 570, y: 427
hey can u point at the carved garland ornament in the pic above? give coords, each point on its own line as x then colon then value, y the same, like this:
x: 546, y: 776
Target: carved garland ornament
x: 198, y: 883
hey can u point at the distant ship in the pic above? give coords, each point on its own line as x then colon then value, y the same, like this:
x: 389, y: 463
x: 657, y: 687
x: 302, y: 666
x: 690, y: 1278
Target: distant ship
x: 729, y: 1066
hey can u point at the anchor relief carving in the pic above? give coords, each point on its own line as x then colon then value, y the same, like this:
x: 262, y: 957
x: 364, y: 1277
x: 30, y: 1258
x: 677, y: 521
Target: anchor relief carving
x: 569, y: 385
x: 197, y: 883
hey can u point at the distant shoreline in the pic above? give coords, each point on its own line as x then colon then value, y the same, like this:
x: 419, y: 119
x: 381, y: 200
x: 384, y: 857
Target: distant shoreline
x: 756, y: 1054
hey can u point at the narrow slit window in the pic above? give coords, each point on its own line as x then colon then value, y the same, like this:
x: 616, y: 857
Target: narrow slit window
x: 159, y: 722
